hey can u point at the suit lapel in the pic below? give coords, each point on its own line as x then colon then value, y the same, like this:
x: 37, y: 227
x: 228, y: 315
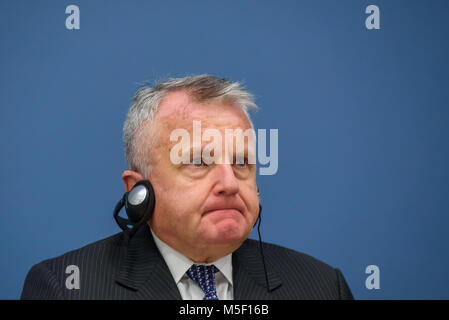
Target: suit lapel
x: 143, y: 269
x: 249, y: 274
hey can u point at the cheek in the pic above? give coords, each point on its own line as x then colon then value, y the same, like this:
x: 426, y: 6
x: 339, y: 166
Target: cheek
x: 251, y: 200
x: 176, y: 210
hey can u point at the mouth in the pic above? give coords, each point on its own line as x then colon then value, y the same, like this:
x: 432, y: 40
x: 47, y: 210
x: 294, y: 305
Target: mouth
x: 223, y: 208
x: 223, y: 211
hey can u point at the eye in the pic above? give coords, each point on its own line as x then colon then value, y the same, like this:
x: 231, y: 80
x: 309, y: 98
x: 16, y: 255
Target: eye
x: 198, y: 163
x: 242, y: 164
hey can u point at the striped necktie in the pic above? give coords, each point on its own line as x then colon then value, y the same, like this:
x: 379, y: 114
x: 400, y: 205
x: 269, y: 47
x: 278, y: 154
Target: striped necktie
x: 204, y: 277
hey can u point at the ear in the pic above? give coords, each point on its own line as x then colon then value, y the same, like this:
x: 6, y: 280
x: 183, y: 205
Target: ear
x: 130, y: 178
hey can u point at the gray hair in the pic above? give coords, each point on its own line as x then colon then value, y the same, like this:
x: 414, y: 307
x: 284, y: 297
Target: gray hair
x: 146, y: 102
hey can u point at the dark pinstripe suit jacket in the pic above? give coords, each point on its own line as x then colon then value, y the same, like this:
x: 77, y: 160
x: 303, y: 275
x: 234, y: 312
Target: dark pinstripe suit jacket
x: 114, y: 269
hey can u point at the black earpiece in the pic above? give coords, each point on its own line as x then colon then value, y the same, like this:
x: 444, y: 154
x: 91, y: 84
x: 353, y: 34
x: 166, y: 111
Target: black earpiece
x: 139, y: 204
x: 258, y: 221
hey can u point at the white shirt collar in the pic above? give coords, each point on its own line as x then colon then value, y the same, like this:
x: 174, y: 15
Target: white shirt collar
x: 178, y: 264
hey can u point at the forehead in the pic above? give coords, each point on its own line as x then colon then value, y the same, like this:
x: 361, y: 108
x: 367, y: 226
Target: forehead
x: 178, y: 110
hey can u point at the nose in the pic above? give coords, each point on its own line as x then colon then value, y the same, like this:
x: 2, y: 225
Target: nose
x: 226, y: 181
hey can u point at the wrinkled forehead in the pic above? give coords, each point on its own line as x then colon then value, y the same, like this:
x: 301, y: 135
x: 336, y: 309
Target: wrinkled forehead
x: 178, y: 111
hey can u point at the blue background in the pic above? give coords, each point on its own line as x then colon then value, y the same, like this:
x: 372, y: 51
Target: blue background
x: 362, y: 116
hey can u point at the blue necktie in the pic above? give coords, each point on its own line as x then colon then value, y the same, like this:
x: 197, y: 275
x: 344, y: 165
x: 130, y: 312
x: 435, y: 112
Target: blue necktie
x: 204, y: 276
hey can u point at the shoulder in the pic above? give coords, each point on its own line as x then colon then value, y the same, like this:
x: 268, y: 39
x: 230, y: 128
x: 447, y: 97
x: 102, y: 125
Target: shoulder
x: 45, y: 280
x: 302, y: 275
x: 92, y: 252
x: 281, y: 255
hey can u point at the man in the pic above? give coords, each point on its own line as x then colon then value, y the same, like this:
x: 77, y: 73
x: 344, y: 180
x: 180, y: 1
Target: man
x: 195, y: 245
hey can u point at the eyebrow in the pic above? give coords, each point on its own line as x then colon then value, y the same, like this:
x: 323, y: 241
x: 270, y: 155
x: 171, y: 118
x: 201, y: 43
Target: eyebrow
x: 246, y: 153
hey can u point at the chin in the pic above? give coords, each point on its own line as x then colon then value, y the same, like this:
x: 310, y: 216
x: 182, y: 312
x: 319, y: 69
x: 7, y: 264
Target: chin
x: 227, y: 233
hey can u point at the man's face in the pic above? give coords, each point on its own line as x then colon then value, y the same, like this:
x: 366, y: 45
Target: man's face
x: 203, y: 211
